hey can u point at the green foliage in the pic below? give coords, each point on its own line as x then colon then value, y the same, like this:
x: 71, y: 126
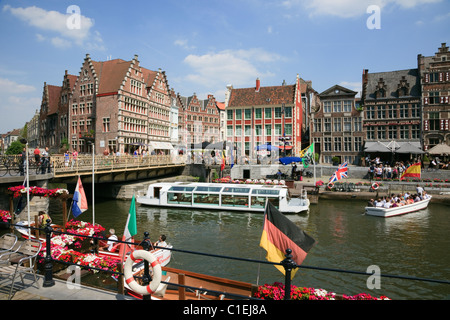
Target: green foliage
x: 15, y: 148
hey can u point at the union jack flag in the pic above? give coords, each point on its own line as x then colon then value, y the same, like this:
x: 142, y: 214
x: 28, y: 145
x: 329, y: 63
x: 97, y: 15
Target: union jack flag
x: 340, y: 173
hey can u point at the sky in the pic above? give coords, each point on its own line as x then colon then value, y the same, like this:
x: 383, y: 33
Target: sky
x: 205, y: 45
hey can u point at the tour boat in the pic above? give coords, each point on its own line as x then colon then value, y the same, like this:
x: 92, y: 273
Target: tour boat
x: 223, y: 196
x: 194, y: 286
x: 162, y: 255
x: 395, y: 211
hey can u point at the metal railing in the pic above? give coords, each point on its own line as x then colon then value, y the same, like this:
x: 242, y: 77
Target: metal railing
x: 287, y: 263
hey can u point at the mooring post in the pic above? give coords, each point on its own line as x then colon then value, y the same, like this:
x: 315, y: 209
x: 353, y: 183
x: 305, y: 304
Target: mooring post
x: 146, y: 278
x: 48, y: 277
x: 288, y: 265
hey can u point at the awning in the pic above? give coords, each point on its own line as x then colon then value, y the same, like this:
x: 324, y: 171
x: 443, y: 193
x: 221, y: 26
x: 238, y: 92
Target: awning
x: 158, y: 145
x: 440, y: 149
x: 410, y: 147
x: 393, y: 146
x: 375, y: 146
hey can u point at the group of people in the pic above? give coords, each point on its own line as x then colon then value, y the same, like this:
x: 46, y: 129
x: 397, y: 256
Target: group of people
x: 378, y: 169
x: 398, y: 200
x: 41, y: 158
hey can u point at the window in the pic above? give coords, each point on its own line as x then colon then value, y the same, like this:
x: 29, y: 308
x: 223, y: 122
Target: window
x: 370, y: 133
x: 337, y: 124
x: 337, y: 144
x: 404, y: 132
x: 248, y: 114
x: 357, y: 124
x: 268, y: 130
x: 277, y: 113
x: 327, y: 124
x: 268, y: 113
x: 238, y: 131
x: 229, y: 131
x: 403, y: 111
x: 415, y: 131
x: 381, y: 112
x: 288, y: 129
x: 392, y: 112
x: 327, y: 106
x: 106, y: 125
x: 288, y: 112
x: 347, y: 124
x: 74, y: 109
x: 434, y: 97
x: 347, y: 105
x: 392, y: 132
x: 278, y: 130
x: 229, y: 115
x: 74, y: 127
x: 415, y: 110
x: 258, y: 113
x: 358, y: 144
x: 337, y: 106
x: 238, y: 114
x: 317, y: 125
x: 434, y: 120
x: 327, y: 144
x: 347, y: 144
x: 381, y: 132
x: 370, y: 114
x: 258, y: 130
x: 248, y: 130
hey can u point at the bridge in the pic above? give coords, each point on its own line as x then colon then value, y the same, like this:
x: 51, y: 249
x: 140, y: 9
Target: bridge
x: 104, y: 169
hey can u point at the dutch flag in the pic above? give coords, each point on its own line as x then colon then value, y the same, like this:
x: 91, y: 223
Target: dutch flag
x: 79, y: 203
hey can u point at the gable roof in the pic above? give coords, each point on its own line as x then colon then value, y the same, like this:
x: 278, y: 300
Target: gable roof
x: 337, y: 91
x: 392, y: 80
x: 274, y: 95
x: 110, y: 74
x: 53, y: 96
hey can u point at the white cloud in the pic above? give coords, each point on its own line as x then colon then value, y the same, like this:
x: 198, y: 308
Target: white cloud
x: 237, y: 67
x: 9, y: 86
x: 183, y: 43
x: 349, y: 8
x: 70, y: 28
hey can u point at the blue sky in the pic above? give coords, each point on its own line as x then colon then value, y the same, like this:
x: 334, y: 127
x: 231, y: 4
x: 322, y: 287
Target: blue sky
x: 204, y: 45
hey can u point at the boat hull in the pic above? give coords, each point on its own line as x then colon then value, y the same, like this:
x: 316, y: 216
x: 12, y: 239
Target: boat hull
x: 391, y: 212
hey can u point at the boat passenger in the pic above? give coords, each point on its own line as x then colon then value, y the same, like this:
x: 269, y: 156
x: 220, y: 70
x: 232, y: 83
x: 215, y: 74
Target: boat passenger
x: 43, y: 217
x: 371, y: 203
x: 379, y: 203
x: 417, y: 198
x: 111, y: 240
x: 161, y: 242
x: 387, y: 204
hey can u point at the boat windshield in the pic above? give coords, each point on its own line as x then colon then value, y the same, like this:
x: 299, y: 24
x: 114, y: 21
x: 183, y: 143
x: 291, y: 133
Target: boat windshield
x: 180, y: 188
x: 208, y: 189
x: 266, y: 191
x: 236, y: 190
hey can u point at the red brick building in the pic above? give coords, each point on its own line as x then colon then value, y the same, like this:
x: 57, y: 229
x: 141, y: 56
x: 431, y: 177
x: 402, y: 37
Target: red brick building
x: 435, y: 84
x: 122, y: 105
x: 267, y: 115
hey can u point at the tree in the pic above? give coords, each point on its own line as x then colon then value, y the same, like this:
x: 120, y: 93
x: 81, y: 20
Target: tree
x: 15, y: 148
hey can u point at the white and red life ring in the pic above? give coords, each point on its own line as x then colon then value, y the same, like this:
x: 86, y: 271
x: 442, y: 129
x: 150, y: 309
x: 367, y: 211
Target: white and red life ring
x: 154, y: 264
x: 330, y: 185
x: 375, y: 186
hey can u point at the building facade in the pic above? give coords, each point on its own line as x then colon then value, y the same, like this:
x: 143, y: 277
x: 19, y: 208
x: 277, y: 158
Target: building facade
x: 336, y: 126
x: 274, y: 115
x: 435, y: 86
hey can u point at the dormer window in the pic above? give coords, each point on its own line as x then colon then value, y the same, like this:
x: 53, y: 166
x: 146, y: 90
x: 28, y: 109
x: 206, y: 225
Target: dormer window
x: 380, y: 90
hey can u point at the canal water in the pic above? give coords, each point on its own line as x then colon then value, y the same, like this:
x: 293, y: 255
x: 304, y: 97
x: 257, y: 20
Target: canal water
x: 414, y: 245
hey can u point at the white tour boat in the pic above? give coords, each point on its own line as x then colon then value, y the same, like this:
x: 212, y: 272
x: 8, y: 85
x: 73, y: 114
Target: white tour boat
x: 395, y: 211
x: 223, y: 196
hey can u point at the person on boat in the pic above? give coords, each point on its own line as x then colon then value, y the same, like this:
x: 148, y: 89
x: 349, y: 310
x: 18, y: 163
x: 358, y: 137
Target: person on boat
x: 371, y: 203
x: 111, y: 240
x: 419, y: 190
x: 387, y: 204
x: 379, y: 203
x: 161, y: 241
x: 43, y: 217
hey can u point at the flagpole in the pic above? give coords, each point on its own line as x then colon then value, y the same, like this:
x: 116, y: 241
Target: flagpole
x: 93, y: 180
x: 28, y: 187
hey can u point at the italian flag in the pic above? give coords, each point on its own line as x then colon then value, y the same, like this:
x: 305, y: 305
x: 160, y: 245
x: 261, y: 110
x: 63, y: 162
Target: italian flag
x: 130, y: 230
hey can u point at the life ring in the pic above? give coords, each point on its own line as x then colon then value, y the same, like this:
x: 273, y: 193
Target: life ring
x: 157, y: 272
x: 330, y: 185
x: 375, y: 186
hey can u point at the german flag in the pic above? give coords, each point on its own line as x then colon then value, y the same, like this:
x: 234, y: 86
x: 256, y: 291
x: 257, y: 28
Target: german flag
x: 279, y: 234
x: 412, y: 171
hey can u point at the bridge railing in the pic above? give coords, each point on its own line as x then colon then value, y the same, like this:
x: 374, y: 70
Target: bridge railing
x: 83, y: 163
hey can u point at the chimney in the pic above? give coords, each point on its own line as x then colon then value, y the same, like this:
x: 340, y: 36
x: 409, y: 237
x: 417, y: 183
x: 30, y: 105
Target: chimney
x: 258, y: 85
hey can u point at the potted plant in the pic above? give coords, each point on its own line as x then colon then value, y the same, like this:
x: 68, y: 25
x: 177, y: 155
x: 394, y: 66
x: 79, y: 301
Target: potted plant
x: 335, y: 161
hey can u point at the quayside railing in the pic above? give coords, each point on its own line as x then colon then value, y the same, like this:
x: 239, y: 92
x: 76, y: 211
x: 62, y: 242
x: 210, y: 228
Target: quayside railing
x: 288, y: 264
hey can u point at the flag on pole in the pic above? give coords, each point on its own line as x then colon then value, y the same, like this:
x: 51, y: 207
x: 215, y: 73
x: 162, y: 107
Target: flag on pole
x: 412, y: 171
x: 341, y: 172
x: 130, y: 230
x: 79, y: 203
x: 307, y: 155
x: 279, y: 234
x: 222, y: 166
